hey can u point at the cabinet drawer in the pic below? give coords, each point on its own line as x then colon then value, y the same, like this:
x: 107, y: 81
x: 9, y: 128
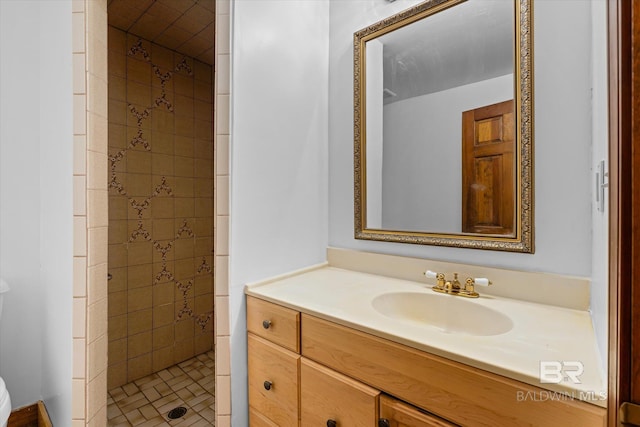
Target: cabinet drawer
x: 454, y: 391
x: 327, y: 395
x: 399, y: 414
x: 278, y: 324
x: 256, y: 419
x: 273, y: 381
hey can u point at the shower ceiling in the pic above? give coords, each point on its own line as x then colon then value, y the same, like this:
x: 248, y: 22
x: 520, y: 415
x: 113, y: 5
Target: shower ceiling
x: 186, y: 26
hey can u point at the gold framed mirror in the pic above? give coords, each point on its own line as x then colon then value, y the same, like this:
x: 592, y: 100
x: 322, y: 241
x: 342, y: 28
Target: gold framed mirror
x: 443, y: 126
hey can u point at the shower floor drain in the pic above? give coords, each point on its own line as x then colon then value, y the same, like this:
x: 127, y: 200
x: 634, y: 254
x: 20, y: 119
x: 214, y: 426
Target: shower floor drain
x: 176, y: 413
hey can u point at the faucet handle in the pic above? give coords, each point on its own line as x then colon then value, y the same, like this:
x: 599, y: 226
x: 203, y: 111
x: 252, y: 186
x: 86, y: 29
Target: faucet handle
x: 482, y: 281
x: 430, y: 274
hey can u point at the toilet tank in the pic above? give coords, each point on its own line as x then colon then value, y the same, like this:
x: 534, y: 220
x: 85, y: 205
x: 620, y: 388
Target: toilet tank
x: 4, y: 287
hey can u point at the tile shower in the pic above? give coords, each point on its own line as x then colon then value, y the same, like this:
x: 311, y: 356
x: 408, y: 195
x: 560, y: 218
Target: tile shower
x: 161, y: 189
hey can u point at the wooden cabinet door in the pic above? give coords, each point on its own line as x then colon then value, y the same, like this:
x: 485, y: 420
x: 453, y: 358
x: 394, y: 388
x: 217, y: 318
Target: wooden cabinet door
x: 273, y: 382
x: 326, y: 396
x: 395, y: 413
x: 488, y: 170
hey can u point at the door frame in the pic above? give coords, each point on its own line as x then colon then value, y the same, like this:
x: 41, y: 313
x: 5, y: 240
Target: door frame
x: 624, y: 224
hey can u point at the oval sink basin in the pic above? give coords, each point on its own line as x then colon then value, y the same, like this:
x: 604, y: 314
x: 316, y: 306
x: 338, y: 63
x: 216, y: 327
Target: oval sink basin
x: 448, y: 313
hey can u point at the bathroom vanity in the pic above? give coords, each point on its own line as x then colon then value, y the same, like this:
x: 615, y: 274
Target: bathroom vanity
x: 330, y: 346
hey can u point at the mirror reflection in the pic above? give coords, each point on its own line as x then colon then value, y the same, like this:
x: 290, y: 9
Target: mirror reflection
x: 438, y: 97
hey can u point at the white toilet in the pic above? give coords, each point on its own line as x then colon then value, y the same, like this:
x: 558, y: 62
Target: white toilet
x: 5, y: 401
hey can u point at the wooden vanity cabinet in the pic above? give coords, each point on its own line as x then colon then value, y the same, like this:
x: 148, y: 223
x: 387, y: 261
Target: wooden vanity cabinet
x: 273, y: 345
x: 305, y: 371
x: 396, y: 413
x: 329, y: 398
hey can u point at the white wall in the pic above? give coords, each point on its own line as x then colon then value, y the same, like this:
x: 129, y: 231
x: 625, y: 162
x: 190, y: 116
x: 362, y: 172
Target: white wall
x: 421, y: 171
x: 563, y: 180
x: 600, y: 265
x: 278, y: 153
x: 36, y: 203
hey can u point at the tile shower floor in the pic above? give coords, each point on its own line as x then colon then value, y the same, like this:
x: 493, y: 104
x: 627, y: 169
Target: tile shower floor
x: 146, y: 402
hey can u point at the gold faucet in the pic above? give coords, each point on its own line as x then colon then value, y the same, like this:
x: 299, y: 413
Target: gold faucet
x: 454, y: 287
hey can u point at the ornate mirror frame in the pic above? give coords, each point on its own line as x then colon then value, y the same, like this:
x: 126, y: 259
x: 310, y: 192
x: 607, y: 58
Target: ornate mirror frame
x: 523, y: 238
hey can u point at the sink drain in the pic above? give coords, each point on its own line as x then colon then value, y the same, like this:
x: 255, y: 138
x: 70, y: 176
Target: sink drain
x: 176, y: 413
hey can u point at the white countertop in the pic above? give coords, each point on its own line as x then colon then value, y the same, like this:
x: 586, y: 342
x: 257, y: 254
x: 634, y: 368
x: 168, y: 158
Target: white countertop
x: 540, y: 332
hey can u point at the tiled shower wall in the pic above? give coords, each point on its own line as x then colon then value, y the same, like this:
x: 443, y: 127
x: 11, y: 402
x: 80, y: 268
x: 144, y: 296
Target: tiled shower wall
x: 161, y: 212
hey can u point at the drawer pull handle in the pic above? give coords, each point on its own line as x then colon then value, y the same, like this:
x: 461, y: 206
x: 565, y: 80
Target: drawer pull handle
x: 266, y: 324
x: 383, y: 422
x: 268, y: 385
x: 332, y: 423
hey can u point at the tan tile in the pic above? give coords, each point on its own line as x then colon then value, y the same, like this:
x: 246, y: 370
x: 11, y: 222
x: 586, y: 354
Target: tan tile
x: 183, y: 350
x: 184, y: 269
x: 118, y: 231
x: 204, y: 246
x: 77, y: 6
x: 223, y: 394
x: 139, y: 366
x: 202, y: 72
x: 140, y: 253
x: 77, y: 31
x: 203, y: 284
x: 162, y: 143
x: 222, y: 237
x: 184, y: 126
x: 117, y: 137
x: 117, y: 63
x: 138, y: 94
x: 97, y: 288
x: 222, y: 199
x: 97, y: 354
x: 117, y: 375
x: 222, y: 115
x: 204, y: 150
x: 98, y: 239
x: 203, y: 168
x: 118, y: 207
x: 118, y: 281
x: 117, y: 351
x: 203, y: 129
x: 184, y: 329
x: 78, y: 398
x: 184, y: 106
x: 203, y: 110
x: 223, y: 73
x: 203, y: 227
x: 139, y: 71
x: 79, y: 276
x: 79, y: 83
x: 222, y: 315
x: 97, y: 170
x: 163, y: 229
x: 204, y: 207
x: 158, y: 268
x: 117, y: 255
x: 79, y: 357
x: 97, y: 95
x: 139, y: 276
x: 97, y: 130
x: 184, y: 166
x: 184, y: 248
x: 203, y: 187
x: 204, y: 304
x: 222, y: 276
x: 222, y: 154
x: 184, y: 207
x: 117, y: 87
x: 203, y: 342
x: 183, y: 187
x: 139, y: 185
x: 138, y: 162
x: 118, y: 112
x: 203, y: 91
x: 184, y: 145
x: 97, y: 321
x: 163, y: 315
x: 97, y: 397
x: 162, y: 57
x: 139, y: 299
x: 183, y: 85
x: 223, y: 349
x: 162, y: 121
x: 117, y: 303
x: 163, y: 251
x: 79, y: 236
x: 163, y: 293
x: 79, y: 317
x: 162, y: 208
x: 139, y: 344
x: 163, y: 337
x: 140, y: 321
x: 118, y: 324
x: 79, y: 154
x: 162, y: 164
x: 98, y: 208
